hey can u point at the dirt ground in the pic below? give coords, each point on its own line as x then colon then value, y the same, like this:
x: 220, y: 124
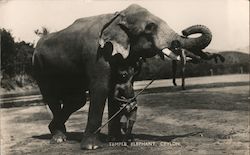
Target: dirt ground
x: 208, y: 118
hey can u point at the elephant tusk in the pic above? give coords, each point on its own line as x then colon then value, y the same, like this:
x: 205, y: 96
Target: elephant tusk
x: 189, y: 58
x: 171, y: 54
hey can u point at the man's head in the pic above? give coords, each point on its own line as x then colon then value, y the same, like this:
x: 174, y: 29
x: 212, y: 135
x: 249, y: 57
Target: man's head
x: 125, y: 74
x: 123, y: 70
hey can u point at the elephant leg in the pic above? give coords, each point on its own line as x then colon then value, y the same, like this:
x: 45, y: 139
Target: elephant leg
x: 129, y: 136
x: 98, y: 95
x: 50, y: 95
x: 61, y: 115
x: 71, y: 104
x: 174, y: 68
x: 56, y: 128
x: 114, y: 127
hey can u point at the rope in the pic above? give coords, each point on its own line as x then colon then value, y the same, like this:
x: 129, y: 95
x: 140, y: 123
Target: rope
x: 128, y: 102
x: 108, y: 23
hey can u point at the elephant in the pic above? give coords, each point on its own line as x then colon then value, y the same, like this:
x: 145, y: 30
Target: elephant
x: 77, y: 59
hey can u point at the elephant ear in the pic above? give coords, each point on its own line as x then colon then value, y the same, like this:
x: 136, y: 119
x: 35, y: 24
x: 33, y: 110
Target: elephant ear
x: 116, y: 35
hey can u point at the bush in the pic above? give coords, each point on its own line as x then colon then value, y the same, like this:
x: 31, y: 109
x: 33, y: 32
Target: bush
x: 16, y: 60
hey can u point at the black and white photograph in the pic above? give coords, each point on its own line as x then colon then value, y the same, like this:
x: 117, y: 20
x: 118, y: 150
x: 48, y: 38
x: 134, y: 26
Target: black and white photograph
x: 124, y: 77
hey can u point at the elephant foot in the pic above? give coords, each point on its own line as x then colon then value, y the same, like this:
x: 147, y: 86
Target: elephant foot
x: 58, y: 137
x: 90, y: 142
x: 58, y: 133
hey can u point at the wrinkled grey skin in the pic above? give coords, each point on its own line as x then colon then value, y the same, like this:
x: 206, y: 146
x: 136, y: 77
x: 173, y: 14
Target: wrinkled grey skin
x: 76, y: 59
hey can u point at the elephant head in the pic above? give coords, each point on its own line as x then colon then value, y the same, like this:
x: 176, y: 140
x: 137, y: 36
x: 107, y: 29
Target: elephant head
x: 136, y: 32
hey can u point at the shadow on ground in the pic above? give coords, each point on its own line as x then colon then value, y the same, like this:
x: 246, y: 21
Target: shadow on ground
x: 76, y: 136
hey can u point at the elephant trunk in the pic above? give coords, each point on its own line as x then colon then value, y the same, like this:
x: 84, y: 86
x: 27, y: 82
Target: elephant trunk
x: 200, y: 42
x: 166, y: 36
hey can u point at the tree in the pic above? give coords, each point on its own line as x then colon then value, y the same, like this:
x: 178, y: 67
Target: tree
x: 24, y: 57
x: 8, y: 52
x: 15, y: 56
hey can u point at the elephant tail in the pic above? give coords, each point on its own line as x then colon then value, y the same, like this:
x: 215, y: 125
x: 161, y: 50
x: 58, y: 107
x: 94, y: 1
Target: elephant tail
x: 37, y: 65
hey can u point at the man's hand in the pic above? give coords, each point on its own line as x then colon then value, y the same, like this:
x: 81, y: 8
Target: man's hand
x: 131, y: 100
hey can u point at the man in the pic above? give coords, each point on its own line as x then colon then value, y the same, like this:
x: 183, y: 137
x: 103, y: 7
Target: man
x: 124, y: 96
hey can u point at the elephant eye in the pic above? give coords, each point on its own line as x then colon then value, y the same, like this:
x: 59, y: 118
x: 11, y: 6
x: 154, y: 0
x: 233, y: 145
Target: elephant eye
x: 150, y: 28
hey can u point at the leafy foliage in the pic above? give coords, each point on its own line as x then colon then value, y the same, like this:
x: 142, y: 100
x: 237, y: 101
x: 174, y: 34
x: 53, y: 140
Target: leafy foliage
x: 16, y: 56
x: 8, y: 52
x: 15, y: 60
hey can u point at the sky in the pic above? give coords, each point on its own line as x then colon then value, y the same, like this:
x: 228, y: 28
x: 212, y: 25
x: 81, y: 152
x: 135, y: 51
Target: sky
x: 227, y: 19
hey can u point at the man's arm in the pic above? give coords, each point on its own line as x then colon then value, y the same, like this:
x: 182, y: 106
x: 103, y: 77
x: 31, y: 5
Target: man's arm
x: 118, y: 97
